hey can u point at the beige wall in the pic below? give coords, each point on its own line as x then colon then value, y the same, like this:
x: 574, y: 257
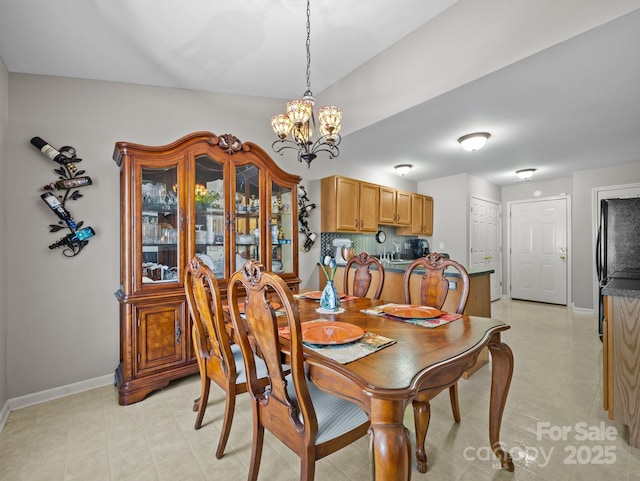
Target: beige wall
x: 451, y: 197
x: 4, y: 127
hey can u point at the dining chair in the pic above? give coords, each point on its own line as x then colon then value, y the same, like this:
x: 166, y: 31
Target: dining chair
x: 362, y: 277
x: 433, y: 290
x: 219, y: 360
x: 311, y: 422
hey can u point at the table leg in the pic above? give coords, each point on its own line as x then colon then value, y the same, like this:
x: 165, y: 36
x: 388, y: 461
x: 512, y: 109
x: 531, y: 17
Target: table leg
x: 502, y: 370
x: 390, y: 445
x: 421, y: 416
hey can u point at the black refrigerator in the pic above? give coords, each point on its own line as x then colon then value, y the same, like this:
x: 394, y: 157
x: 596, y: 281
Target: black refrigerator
x: 618, y: 244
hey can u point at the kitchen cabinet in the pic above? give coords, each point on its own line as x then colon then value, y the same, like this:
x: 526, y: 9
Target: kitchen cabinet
x: 395, y: 206
x: 421, y: 216
x: 349, y: 205
x: 621, y: 355
x: 206, y: 195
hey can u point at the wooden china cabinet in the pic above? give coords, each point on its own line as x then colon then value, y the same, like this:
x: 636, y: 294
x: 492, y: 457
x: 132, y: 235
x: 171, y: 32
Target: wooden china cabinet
x: 212, y: 196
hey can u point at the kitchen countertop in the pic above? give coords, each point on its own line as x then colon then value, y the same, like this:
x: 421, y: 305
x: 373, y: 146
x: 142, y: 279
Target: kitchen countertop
x: 396, y: 266
x: 622, y: 288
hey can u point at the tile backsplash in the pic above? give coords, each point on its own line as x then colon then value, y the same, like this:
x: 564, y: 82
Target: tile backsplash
x: 368, y: 243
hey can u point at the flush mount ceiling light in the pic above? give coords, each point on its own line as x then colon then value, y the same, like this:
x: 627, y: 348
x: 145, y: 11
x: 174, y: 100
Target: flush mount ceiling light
x: 300, y: 122
x: 403, y: 169
x: 525, y: 174
x: 474, y: 141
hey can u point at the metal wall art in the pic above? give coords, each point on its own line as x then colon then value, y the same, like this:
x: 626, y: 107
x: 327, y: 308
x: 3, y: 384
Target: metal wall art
x: 58, y: 192
x: 305, y: 207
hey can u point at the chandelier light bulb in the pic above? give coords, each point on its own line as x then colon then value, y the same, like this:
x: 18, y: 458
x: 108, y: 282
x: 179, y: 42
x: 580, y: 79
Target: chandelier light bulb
x: 281, y: 125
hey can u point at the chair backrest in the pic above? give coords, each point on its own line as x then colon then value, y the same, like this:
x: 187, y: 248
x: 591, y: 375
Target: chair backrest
x: 257, y: 333
x: 362, y: 276
x: 211, y: 339
x: 434, y: 287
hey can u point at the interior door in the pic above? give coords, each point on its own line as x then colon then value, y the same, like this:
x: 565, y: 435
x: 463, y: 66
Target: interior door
x: 538, y: 250
x: 485, y: 241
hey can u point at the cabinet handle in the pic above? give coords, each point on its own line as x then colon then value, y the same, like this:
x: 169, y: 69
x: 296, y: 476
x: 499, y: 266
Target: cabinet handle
x: 178, y: 333
x: 355, y: 223
x: 361, y: 223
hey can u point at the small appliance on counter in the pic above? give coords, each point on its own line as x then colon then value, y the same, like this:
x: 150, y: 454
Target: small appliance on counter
x: 420, y: 248
x: 339, y: 244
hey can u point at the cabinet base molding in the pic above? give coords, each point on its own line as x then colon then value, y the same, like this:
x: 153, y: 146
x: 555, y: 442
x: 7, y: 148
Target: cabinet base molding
x: 135, y: 390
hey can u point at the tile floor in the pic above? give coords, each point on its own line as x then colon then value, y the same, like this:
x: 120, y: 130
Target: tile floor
x: 556, y: 385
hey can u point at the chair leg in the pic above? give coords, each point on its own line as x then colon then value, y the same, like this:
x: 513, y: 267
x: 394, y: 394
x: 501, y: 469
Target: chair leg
x: 200, y: 404
x: 256, y: 451
x: 307, y: 468
x: 421, y: 417
x: 229, y: 408
x: 453, y: 395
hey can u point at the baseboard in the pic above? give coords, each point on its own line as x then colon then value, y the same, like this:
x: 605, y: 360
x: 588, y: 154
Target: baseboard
x: 581, y: 310
x: 20, y: 402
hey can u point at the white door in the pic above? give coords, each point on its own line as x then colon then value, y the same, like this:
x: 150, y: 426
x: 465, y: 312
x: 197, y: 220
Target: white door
x: 538, y: 250
x: 484, y: 242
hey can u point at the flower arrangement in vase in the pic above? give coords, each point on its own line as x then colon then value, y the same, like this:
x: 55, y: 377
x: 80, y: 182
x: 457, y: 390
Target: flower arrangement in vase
x: 329, y: 299
x: 205, y: 198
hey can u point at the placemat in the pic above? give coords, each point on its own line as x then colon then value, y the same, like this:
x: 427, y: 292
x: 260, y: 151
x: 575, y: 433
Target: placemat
x: 445, y: 318
x: 346, y: 353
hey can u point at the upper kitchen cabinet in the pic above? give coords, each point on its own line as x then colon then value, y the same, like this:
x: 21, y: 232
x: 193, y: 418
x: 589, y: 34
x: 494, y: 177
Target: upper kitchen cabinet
x: 349, y: 205
x: 421, y: 216
x: 395, y: 207
x: 204, y: 195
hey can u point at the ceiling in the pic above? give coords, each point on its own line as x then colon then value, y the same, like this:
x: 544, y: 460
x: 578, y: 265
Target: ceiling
x: 569, y: 107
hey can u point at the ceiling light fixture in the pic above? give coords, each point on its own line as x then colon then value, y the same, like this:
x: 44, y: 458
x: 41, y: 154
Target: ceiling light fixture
x: 403, y: 169
x: 525, y: 174
x: 301, y: 123
x: 474, y: 141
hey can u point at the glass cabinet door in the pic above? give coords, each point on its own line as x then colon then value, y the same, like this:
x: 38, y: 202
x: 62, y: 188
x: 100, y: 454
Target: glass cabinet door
x: 281, y: 229
x: 210, y: 225
x: 247, y: 214
x: 160, y: 224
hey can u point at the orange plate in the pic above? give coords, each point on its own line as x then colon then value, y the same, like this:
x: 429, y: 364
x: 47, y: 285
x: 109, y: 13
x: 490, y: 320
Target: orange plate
x: 330, y: 332
x: 315, y: 295
x: 411, y: 311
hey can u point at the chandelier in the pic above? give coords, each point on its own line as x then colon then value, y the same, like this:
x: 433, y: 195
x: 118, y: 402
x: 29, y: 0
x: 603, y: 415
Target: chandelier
x: 300, y: 122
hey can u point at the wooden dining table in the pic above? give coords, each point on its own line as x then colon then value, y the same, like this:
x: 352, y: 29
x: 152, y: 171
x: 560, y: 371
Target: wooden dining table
x: 421, y: 359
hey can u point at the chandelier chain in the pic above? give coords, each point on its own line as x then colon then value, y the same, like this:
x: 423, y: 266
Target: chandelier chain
x: 308, y: 47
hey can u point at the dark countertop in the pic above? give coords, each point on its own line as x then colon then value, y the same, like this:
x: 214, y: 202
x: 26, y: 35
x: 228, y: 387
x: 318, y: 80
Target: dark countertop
x: 401, y: 267
x: 622, y: 288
